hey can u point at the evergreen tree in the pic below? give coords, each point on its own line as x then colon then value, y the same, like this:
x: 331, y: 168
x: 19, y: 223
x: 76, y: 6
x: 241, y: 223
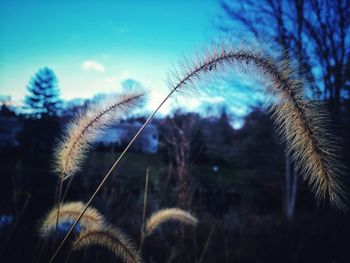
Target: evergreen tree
x: 43, y: 99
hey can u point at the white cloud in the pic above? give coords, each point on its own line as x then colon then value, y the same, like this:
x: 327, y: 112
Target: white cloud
x: 113, y: 79
x: 216, y: 99
x: 118, y: 78
x: 92, y: 65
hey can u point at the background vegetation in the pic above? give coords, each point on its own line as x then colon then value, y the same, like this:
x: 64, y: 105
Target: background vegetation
x: 238, y: 182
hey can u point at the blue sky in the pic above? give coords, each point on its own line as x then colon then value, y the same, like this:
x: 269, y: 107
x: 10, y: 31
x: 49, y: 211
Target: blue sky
x: 93, y: 46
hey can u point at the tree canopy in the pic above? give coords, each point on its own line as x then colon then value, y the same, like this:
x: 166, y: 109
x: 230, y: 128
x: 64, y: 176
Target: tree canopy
x: 43, y: 98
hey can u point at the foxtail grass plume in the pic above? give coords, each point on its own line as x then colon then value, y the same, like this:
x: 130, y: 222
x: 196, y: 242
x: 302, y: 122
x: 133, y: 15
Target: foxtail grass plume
x: 86, y: 127
x: 112, y: 239
x: 168, y: 214
x: 302, y: 123
x: 69, y: 212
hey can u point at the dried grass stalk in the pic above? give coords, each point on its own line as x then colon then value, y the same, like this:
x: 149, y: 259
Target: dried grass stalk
x: 168, y: 214
x: 112, y: 239
x: 301, y: 122
x: 69, y: 212
x: 86, y: 127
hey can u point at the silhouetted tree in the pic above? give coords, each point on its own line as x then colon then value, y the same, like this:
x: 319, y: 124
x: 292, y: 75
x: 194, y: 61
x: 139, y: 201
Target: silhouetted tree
x: 178, y: 134
x: 43, y: 98
x: 43, y: 105
x: 5, y: 111
x: 318, y: 30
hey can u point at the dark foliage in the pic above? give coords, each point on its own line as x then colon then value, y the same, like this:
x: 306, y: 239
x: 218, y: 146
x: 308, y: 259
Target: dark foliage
x: 43, y: 98
x: 241, y: 197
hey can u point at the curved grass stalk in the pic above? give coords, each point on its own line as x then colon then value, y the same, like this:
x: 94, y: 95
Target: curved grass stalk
x: 83, y: 130
x: 305, y: 133
x: 108, y: 174
x: 69, y: 212
x: 169, y: 214
x: 112, y: 239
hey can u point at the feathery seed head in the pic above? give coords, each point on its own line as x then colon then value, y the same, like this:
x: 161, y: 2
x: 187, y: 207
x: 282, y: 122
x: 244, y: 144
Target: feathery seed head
x: 300, y: 122
x: 169, y: 214
x: 86, y: 127
x: 112, y: 239
x: 69, y: 212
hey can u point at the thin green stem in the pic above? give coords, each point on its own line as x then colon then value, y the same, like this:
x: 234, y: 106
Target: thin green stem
x: 144, y: 210
x: 58, y: 205
x: 207, y: 244
x: 67, y: 188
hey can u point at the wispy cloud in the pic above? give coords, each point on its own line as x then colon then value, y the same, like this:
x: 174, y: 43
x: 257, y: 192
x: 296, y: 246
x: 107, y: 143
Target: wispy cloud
x: 118, y: 78
x: 92, y: 65
x: 215, y: 99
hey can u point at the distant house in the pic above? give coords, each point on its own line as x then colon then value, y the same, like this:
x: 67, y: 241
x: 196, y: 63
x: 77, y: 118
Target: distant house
x: 121, y: 134
x: 118, y: 134
x: 9, y: 128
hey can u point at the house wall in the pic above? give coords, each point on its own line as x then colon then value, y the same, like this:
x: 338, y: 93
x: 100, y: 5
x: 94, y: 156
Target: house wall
x: 122, y: 134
